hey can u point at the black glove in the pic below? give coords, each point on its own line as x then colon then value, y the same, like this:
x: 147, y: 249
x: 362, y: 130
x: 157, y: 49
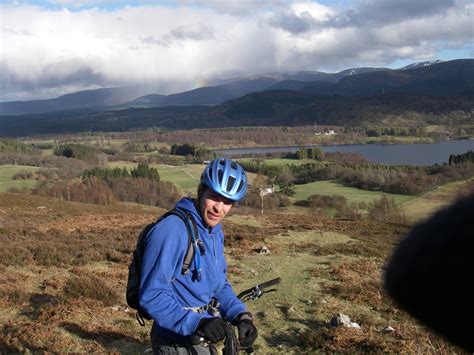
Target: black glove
x: 247, y: 330
x: 212, y: 329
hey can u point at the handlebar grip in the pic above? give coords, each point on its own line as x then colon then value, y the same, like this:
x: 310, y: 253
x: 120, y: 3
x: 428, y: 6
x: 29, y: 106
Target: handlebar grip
x: 269, y: 283
x: 195, y: 339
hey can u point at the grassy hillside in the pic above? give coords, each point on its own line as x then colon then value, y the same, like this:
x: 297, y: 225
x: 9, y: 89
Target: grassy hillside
x: 63, y: 282
x: 351, y: 193
x: 426, y: 205
x: 7, y: 172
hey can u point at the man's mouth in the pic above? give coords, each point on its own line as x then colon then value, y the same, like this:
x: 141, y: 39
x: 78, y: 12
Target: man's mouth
x: 213, y: 216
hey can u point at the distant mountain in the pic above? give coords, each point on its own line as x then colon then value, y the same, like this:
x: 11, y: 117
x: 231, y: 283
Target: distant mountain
x: 98, y: 98
x: 421, y: 64
x: 320, y: 79
x: 148, y: 100
x: 427, y: 78
x: 451, y: 78
x: 143, y: 96
x: 212, y: 95
x: 265, y: 108
x: 275, y: 77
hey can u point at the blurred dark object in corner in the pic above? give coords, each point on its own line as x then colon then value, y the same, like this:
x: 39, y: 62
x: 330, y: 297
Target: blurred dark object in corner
x: 431, y: 273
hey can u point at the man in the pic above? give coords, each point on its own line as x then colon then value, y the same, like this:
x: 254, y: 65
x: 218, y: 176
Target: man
x: 178, y: 302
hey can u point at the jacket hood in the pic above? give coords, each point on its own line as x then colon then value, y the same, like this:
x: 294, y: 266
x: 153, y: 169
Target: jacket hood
x: 189, y: 205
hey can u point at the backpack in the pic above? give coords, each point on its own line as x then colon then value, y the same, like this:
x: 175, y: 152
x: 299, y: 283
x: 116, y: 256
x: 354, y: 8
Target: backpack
x: 133, y: 283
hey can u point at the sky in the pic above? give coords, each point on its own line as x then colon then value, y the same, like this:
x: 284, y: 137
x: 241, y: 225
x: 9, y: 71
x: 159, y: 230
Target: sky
x: 52, y: 47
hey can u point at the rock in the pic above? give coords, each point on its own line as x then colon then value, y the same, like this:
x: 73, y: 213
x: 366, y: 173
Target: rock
x: 343, y: 320
x: 352, y: 325
x: 264, y: 250
x: 339, y: 319
x: 388, y: 329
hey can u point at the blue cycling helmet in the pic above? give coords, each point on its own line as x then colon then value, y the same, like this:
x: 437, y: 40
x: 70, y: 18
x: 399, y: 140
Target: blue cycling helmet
x: 226, y: 178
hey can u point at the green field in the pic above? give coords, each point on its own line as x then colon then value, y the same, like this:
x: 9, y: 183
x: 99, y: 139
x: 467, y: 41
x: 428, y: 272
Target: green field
x: 6, y: 177
x: 351, y: 193
x: 185, y: 177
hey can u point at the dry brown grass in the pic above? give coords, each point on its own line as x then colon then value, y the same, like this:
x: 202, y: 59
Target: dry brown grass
x: 92, y: 287
x: 407, y: 339
x: 63, y: 271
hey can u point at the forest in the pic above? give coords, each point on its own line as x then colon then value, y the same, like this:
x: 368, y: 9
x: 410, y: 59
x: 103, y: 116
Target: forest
x: 270, y: 108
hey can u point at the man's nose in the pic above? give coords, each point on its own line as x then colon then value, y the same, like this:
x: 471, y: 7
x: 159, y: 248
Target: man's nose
x: 218, y: 206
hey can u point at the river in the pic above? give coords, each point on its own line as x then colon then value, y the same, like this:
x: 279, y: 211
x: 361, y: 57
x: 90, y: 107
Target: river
x: 390, y: 154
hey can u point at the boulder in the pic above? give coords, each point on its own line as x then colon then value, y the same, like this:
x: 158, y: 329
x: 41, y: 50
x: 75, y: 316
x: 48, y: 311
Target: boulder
x: 343, y: 320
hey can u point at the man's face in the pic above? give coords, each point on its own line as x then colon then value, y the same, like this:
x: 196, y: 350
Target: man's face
x: 213, y: 207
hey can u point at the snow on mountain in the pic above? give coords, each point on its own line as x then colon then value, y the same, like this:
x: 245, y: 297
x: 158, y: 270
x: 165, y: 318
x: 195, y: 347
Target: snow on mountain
x: 421, y: 64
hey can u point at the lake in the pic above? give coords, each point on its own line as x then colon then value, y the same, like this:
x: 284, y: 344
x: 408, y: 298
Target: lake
x: 390, y: 154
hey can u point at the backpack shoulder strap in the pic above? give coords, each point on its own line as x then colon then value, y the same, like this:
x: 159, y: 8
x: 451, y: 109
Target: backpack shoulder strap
x: 193, y: 234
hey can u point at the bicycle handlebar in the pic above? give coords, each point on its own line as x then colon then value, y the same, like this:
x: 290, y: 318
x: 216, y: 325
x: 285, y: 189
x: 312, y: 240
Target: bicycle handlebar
x: 269, y: 283
x: 232, y: 343
x: 258, y: 290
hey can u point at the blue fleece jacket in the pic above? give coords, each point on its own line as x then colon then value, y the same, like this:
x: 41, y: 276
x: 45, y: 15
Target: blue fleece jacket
x: 165, y: 293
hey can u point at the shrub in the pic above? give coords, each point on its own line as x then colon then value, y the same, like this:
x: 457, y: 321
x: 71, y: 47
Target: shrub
x: 78, y: 151
x: 325, y: 201
x: 11, y: 146
x: 386, y: 210
x: 145, y: 191
x: 349, y: 211
x: 91, y: 287
x: 24, y: 175
x: 91, y: 190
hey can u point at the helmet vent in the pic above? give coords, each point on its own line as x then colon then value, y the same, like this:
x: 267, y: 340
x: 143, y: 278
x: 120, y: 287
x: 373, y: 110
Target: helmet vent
x: 230, y: 183
x: 220, y: 175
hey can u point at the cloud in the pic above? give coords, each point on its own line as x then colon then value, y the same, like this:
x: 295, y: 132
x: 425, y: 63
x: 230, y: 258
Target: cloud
x: 191, y: 43
x: 238, y: 7
x: 195, y: 32
x: 300, y: 18
x: 53, y: 79
x: 376, y: 12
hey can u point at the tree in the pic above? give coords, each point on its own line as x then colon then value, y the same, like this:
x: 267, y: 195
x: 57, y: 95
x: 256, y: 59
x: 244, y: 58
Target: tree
x: 144, y: 171
x: 302, y: 153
